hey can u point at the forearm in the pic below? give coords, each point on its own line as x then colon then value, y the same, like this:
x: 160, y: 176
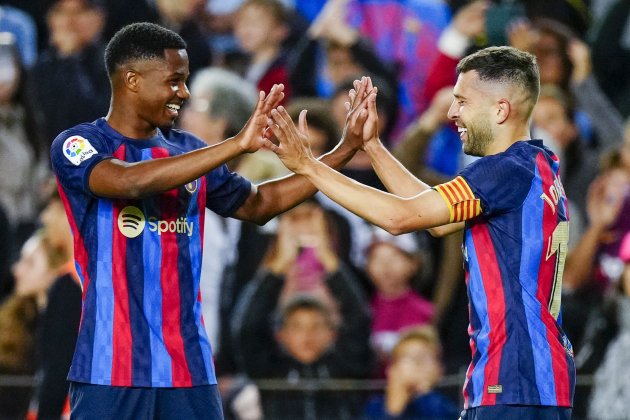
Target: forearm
x: 118, y: 179
x: 382, y: 209
x: 395, y: 176
x: 277, y: 196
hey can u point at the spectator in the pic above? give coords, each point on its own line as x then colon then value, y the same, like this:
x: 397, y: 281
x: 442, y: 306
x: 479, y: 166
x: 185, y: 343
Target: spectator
x: 609, y: 341
x: 59, y: 321
x: 19, y: 315
x: 309, y: 344
x: 182, y: 16
x: 414, y: 371
x: 69, y: 82
x: 22, y: 161
x: 611, y: 55
x: 260, y: 27
x: 321, y: 335
x: 23, y: 28
x: 392, y: 264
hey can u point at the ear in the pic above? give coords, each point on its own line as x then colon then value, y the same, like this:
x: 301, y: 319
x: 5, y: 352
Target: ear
x: 504, y: 109
x: 132, y: 80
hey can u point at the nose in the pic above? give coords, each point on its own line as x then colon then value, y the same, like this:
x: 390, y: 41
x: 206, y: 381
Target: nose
x: 453, y: 111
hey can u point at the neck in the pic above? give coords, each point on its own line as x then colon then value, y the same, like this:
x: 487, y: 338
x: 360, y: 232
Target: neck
x: 124, y: 119
x: 507, y: 138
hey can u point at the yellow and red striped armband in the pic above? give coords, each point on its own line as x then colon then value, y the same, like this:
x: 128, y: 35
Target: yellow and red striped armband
x: 460, y: 199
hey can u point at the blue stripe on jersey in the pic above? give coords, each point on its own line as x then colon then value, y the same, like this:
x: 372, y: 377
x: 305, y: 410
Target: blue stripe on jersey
x: 478, y: 296
x: 102, y: 353
x: 194, y: 214
x: 161, y: 362
x: 189, y: 331
x: 530, y: 263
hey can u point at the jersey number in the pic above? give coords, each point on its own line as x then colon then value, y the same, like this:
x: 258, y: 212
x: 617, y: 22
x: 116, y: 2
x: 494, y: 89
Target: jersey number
x: 557, y: 244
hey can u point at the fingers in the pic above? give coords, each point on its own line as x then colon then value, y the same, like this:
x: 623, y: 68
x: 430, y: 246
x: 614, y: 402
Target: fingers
x: 302, y: 122
x: 275, y: 97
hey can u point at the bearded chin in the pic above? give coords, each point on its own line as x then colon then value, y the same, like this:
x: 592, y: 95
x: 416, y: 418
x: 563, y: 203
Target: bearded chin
x: 477, y: 143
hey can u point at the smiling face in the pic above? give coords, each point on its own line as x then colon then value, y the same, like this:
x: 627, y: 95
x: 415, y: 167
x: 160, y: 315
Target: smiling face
x: 160, y: 86
x: 471, y: 111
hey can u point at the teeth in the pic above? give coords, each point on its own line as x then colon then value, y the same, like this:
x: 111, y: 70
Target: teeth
x: 173, y: 107
x: 461, y: 129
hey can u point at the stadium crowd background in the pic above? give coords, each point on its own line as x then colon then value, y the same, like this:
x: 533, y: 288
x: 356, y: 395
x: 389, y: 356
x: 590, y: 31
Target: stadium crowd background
x: 318, y: 294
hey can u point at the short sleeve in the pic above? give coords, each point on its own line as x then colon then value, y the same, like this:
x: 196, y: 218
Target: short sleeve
x: 500, y: 182
x: 226, y: 191
x: 73, y: 154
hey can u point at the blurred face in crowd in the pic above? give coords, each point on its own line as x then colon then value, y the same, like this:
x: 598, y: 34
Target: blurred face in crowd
x: 550, y: 115
x: 32, y: 271
x: 74, y: 24
x: 306, y: 335
x: 306, y: 222
x: 551, y: 61
x: 55, y: 223
x: 179, y: 10
x: 390, y: 269
x: 197, y: 119
x: 419, y: 360
x: 318, y: 141
x: 9, y: 75
x: 471, y: 113
x: 160, y: 87
x: 256, y: 28
x: 340, y: 65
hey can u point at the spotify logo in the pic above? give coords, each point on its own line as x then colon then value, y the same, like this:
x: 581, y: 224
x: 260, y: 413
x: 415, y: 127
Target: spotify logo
x: 131, y: 221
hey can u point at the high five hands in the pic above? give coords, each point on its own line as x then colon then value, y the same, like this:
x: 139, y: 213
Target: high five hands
x: 252, y: 137
x: 293, y: 143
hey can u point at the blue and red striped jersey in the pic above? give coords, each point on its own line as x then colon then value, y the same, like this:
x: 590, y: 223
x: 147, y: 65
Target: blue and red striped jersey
x: 139, y: 261
x: 514, y: 250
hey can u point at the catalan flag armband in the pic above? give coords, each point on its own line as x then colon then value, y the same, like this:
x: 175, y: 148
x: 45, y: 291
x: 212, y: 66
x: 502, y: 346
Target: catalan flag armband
x: 460, y: 199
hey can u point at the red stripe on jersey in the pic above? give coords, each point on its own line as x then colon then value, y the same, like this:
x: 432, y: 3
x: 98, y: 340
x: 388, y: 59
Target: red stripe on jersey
x: 473, y: 350
x: 121, y: 358
x: 80, y: 253
x: 493, y: 286
x: 546, y: 276
x: 169, y: 280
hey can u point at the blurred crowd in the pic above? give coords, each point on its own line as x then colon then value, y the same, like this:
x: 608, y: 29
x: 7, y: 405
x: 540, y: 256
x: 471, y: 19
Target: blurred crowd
x: 317, y: 293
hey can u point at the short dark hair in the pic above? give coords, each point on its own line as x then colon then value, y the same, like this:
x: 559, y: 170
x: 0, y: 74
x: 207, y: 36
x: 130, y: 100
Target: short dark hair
x: 507, y: 65
x: 140, y: 41
x: 307, y: 302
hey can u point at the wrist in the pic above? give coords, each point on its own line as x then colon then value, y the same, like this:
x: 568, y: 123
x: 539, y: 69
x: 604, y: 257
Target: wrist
x: 373, y: 146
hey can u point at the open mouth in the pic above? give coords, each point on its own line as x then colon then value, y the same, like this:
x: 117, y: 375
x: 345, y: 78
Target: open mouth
x: 462, y: 132
x: 173, y: 109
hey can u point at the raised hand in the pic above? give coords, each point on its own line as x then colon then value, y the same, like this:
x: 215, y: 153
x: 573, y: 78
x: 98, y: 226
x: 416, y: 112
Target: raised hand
x: 361, y: 124
x: 293, y: 147
x: 252, y: 136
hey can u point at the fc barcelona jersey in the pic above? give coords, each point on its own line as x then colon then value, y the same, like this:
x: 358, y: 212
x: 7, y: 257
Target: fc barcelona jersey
x: 515, y: 242
x: 139, y: 261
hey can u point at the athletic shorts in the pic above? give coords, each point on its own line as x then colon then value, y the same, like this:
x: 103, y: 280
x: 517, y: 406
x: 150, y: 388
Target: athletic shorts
x: 104, y: 402
x: 517, y: 412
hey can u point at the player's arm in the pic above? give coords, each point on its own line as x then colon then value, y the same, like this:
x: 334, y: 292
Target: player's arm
x: 118, y: 179
x: 274, y: 197
x: 392, y: 213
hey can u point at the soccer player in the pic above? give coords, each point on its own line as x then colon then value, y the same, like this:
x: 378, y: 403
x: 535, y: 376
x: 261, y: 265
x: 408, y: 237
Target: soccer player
x: 134, y: 190
x: 513, y: 210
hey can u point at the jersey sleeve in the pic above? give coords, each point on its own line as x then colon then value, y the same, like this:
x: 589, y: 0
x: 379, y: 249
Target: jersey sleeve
x: 226, y: 191
x: 73, y: 154
x: 500, y: 183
